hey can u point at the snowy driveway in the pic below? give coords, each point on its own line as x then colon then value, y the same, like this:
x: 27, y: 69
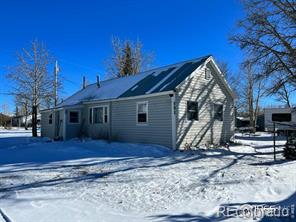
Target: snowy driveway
x: 100, y: 181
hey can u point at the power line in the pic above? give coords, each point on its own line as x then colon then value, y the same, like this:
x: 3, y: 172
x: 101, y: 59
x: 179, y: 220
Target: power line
x: 70, y: 81
x: 78, y: 65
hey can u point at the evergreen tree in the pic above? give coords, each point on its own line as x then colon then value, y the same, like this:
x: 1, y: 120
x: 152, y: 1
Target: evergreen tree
x: 127, y: 66
x: 127, y: 59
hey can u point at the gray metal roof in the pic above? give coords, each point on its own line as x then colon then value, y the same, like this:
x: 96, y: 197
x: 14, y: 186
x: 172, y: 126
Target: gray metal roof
x: 152, y: 81
x: 166, y: 80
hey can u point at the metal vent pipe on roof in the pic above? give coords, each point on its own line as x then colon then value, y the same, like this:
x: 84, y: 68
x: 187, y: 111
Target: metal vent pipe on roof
x: 83, y: 82
x: 98, y: 81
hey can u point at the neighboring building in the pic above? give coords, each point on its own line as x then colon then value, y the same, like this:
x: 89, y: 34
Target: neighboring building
x: 243, y: 123
x: 20, y: 121
x: 5, y: 120
x: 180, y: 105
x: 282, y: 126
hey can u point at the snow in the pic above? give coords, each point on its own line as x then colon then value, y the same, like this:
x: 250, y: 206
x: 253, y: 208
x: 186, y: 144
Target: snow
x: 162, y: 81
x: 114, y: 88
x: 99, y: 181
x: 109, y: 89
x: 259, y: 140
x: 13, y: 132
x: 134, y: 88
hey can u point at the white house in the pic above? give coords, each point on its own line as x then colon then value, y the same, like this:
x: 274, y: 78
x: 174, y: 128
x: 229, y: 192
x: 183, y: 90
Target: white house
x: 185, y: 104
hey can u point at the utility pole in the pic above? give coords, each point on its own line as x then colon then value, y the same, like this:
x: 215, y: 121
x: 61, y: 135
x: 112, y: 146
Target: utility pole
x: 56, y: 71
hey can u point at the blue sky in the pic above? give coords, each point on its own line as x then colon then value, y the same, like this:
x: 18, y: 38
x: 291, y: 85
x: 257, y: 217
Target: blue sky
x: 78, y: 33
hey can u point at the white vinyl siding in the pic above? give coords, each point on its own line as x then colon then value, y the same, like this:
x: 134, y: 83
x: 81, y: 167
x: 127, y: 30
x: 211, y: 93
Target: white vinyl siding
x: 206, y: 130
x: 47, y: 129
x: 157, y: 131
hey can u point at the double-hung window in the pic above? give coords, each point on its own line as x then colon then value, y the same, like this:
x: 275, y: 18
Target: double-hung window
x: 142, y: 112
x: 192, y: 110
x: 98, y: 115
x: 218, y: 112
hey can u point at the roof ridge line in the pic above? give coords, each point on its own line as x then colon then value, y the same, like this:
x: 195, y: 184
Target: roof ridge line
x: 156, y: 68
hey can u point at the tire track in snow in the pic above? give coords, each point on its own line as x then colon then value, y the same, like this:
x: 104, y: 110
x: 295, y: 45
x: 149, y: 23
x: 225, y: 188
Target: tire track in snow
x: 4, y: 216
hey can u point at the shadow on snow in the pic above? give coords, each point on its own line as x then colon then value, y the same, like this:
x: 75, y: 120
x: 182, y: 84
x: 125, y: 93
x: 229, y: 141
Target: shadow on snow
x: 288, y: 215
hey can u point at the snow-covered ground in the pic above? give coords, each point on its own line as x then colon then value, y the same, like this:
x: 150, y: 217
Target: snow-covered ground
x: 15, y: 132
x: 99, y: 181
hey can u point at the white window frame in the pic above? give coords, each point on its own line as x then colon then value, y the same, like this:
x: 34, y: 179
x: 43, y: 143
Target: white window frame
x: 108, y: 114
x: 79, y: 116
x: 147, y: 114
x: 208, y: 73
x: 92, y: 114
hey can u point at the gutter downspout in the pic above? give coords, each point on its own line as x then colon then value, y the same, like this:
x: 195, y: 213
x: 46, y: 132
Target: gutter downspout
x: 173, y: 117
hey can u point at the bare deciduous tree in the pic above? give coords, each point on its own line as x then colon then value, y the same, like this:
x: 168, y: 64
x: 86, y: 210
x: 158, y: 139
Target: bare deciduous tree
x: 284, y: 95
x: 251, y: 93
x: 23, y: 107
x: 268, y: 36
x: 128, y: 58
x: 31, y: 79
x: 232, y: 79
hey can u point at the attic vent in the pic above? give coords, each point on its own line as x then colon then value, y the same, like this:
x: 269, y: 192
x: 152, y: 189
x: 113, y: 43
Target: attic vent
x: 207, y: 73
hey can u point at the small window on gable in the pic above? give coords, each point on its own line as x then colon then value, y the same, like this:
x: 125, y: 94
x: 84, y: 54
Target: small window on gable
x: 73, y: 117
x: 142, y: 112
x: 218, y: 112
x: 192, y: 110
x: 90, y: 116
x: 50, y: 118
x: 207, y: 73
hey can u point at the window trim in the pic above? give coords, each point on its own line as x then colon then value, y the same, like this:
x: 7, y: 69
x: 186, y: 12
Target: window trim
x: 79, y: 116
x: 90, y: 110
x: 50, y: 117
x: 147, y: 113
x: 187, y: 111
x: 219, y: 104
x: 108, y: 114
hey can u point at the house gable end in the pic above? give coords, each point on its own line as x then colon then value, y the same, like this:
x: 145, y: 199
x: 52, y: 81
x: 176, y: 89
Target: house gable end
x: 217, y: 74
